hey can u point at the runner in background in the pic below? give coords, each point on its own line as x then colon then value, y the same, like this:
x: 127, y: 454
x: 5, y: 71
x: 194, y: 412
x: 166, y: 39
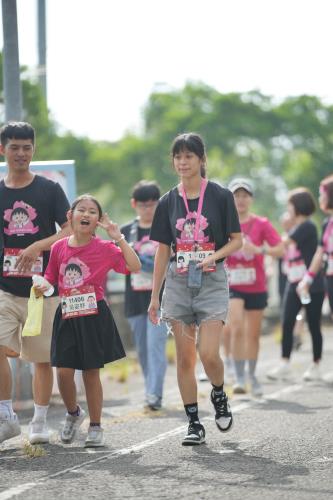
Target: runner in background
x: 298, y: 333
x: 324, y: 253
x: 248, y: 287
x: 150, y: 339
x: 301, y: 245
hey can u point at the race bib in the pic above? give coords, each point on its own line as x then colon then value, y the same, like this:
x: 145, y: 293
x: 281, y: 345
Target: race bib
x: 242, y: 276
x: 141, y: 281
x: 191, y: 251
x: 296, y: 271
x: 80, y: 301
x: 9, y: 264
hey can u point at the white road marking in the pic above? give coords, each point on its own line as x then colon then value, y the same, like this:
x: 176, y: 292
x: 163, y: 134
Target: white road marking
x: 17, y: 490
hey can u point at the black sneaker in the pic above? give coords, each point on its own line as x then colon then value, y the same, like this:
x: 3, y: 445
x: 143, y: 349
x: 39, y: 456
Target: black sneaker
x: 223, y: 415
x: 195, y: 434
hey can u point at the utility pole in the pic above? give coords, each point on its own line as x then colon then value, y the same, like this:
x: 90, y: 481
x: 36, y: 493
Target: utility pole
x: 21, y: 370
x: 42, y: 46
x: 11, y: 65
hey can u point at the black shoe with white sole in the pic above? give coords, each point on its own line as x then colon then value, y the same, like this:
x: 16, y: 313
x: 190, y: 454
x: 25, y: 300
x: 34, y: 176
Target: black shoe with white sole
x: 223, y: 415
x: 195, y: 434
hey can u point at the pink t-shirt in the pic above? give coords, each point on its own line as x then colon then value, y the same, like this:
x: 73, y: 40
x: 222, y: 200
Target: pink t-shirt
x: 246, y: 270
x: 71, y: 267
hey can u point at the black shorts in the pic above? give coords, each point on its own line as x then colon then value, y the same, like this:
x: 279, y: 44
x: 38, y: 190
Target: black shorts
x: 86, y: 342
x: 252, y: 301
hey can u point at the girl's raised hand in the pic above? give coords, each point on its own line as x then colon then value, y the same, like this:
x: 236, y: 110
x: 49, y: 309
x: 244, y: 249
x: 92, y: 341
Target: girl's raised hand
x: 110, y: 227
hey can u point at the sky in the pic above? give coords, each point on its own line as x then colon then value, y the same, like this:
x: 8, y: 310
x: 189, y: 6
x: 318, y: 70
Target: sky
x: 105, y: 57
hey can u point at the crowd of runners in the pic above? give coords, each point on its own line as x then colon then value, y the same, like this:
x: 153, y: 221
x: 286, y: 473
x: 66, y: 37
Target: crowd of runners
x: 195, y: 265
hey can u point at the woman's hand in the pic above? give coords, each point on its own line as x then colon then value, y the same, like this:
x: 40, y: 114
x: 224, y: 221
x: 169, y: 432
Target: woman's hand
x: 110, y: 227
x: 249, y: 248
x: 153, y: 311
x: 302, y: 288
x: 207, y: 263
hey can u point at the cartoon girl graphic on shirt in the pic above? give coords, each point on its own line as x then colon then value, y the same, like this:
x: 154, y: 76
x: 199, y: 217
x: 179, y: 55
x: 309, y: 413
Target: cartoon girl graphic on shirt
x: 146, y: 250
x: 20, y: 219
x: 74, y: 273
x: 187, y: 228
x: 146, y: 246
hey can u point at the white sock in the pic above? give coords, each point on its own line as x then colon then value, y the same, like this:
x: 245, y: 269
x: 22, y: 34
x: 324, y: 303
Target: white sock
x: 40, y: 412
x: 6, y: 409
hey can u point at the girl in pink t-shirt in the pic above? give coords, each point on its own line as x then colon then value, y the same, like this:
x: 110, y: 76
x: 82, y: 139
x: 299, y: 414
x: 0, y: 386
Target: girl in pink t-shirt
x: 247, y: 284
x: 85, y: 336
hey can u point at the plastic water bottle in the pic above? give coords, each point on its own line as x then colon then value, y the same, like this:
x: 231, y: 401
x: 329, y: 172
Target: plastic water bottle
x: 305, y: 297
x: 40, y: 281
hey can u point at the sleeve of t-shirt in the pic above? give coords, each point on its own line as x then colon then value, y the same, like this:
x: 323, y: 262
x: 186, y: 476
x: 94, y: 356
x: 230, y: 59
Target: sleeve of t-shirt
x: 270, y: 234
x: 61, y: 205
x: 160, y: 229
x: 117, y: 259
x: 232, y: 219
x: 302, y: 233
x: 52, y: 270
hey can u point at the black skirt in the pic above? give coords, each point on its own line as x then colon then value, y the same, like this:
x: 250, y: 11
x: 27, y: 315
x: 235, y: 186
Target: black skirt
x: 86, y: 342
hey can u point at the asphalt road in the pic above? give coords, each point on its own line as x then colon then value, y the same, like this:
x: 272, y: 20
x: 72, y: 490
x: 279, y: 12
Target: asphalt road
x: 280, y: 446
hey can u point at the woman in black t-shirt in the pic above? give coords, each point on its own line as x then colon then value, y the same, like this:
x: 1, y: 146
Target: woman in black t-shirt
x: 301, y: 245
x: 196, y: 225
x: 324, y: 252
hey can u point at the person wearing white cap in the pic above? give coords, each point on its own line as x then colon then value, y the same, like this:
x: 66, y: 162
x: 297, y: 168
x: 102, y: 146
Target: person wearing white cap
x: 247, y: 282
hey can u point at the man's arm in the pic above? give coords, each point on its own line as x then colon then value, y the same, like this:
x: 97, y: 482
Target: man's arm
x: 29, y: 255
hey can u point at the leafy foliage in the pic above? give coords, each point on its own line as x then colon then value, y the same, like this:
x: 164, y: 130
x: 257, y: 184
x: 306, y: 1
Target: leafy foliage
x: 279, y: 145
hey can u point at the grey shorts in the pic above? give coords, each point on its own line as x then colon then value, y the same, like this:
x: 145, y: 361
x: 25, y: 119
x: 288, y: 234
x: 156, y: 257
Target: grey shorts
x: 194, y: 306
x: 13, y: 314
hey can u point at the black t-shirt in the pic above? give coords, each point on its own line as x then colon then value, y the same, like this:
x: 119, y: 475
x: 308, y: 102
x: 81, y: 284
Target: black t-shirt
x: 27, y: 215
x: 306, y: 238
x: 137, y: 302
x: 219, y: 217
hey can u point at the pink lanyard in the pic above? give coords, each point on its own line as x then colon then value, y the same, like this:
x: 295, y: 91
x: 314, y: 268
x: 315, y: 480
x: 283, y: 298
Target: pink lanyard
x: 201, y: 198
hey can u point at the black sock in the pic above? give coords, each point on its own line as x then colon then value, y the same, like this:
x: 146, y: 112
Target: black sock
x: 192, y: 412
x: 218, y: 390
x: 95, y: 424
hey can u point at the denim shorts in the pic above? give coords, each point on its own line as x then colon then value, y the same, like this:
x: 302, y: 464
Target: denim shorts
x: 210, y: 302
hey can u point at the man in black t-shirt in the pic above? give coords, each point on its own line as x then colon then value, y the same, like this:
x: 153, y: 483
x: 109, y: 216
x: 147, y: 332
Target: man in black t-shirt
x: 30, y: 207
x: 149, y: 339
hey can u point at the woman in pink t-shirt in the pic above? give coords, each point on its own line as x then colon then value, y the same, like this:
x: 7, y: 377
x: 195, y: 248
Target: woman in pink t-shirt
x: 247, y: 284
x: 85, y: 336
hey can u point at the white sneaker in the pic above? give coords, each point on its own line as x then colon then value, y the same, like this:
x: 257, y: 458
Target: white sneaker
x: 312, y: 373
x: 203, y: 377
x: 328, y: 378
x: 9, y: 428
x: 71, y: 425
x: 281, y: 372
x: 256, y: 389
x: 239, y: 386
x: 95, y: 437
x: 38, y: 432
